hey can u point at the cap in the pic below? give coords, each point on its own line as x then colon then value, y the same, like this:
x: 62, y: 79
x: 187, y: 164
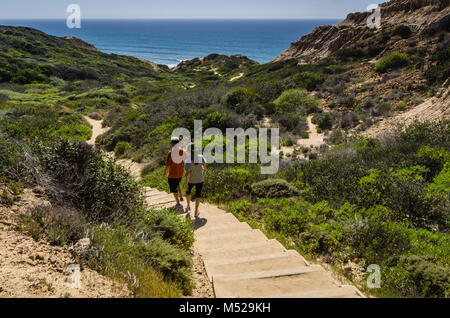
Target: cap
x: 175, y: 140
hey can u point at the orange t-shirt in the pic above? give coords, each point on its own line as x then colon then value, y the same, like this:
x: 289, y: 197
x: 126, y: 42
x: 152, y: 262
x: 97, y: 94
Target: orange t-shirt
x: 176, y: 170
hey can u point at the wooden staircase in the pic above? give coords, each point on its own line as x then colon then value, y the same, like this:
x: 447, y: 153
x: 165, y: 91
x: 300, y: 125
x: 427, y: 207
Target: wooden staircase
x: 243, y: 263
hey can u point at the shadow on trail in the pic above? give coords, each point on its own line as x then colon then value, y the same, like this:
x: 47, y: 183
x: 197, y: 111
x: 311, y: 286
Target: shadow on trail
x: 199, y: 222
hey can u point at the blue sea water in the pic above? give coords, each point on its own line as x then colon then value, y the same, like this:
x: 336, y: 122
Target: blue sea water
x: 172, y: 41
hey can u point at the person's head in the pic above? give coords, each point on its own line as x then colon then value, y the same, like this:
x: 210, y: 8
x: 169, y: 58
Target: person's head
x: 174, y: 141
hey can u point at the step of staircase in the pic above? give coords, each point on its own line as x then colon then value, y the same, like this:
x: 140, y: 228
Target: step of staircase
x: 252, y: 236
x: 222, y: 229
x: 314, y: 283
x: 268, y: 247
x: 345, y: 291
x: 152, y: 204
x: 273, y: 262
x: 283, y: 272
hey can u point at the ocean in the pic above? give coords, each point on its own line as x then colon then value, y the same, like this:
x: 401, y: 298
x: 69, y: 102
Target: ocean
x: 171, y: 41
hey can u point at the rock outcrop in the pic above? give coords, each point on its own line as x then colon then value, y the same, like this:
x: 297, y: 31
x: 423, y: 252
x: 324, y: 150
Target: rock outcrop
x: 423, y: 16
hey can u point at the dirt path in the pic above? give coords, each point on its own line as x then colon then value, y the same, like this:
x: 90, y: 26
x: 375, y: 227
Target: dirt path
x: 35, y: 269
x: 314, y: 139
x: 97, y: 129
x: 236, y: 77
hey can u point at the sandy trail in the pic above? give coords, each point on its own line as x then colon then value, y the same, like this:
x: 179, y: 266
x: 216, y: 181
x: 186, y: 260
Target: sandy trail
x: 97, y: 129
x: 314, y: 140
x: 236, y: 77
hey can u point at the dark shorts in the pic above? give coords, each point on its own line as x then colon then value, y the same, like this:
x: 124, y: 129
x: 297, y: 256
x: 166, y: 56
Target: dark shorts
x: 173, y: 184
x: 198, y: 189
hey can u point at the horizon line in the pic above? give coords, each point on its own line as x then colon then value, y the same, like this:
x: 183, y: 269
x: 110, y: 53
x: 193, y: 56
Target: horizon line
x: 231, y: 19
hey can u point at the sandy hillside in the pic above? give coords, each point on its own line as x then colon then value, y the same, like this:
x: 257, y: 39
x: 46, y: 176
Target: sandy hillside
x: 35, y: 269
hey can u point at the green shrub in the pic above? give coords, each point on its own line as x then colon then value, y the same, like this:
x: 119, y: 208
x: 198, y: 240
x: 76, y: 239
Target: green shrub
x: 288, y: 219
x: 123, y: 149
x: 391, y: 62
x: 101, y: 189
x: 417, y: 276
x: 308, y: 80
x: 274, y: 188
x: 323, y: 120
x: 130, y: 258
x: 170, y: 228
x: 11, y: 160
x: 376, y: 240
x: 295, y: 100
x: 322, y: 239
x: 240, y: 99
x: 433, y: 158
x: 231, y: 183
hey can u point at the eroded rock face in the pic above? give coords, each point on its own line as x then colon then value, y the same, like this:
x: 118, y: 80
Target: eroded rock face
x: 326, y: 40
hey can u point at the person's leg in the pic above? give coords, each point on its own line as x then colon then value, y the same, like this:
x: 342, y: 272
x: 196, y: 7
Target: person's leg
x: 176, y: 193
x: 180, y: 193
x: 197, y: 205
x: 188, y: 197
x: 173, y: 185
x: 198, y: 197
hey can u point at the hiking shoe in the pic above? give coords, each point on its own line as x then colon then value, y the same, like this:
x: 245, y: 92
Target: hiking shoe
x: 176, y: 207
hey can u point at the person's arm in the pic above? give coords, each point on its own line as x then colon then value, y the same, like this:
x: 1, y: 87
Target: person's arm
x: 204, y: 163
x: 166, y: 169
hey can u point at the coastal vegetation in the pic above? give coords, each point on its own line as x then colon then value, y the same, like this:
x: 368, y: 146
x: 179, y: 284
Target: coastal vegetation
x: 350, y: 202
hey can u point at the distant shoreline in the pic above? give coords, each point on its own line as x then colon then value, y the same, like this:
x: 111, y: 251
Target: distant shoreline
x: 171, y: 41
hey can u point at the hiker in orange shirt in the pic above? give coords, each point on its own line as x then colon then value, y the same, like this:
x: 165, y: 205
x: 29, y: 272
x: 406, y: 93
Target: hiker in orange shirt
x: 175, y: 170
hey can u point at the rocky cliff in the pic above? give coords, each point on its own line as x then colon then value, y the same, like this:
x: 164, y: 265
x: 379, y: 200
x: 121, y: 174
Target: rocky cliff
x: 422, y: 16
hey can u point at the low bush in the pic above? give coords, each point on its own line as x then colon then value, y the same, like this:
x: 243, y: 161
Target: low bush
x: 296, y: 101
x: 273, y: 188
x: 141, y: 262
x: 376, y: 240
x: 391, y: 62
x: 240, y: 99
x: 416, y: 276
x: 402, y: 30
x: 170, y: 227
x: 59, y: 225
x: 223, y: 185
x: 308, y: 80
x: 323, y: 120
x: 101, y: 189
x: 123, y: 149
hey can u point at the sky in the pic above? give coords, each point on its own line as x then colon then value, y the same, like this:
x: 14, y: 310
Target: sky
x: 184, y: 9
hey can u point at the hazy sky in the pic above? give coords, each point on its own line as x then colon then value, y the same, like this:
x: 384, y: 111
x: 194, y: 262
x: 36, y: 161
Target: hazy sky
x: 177, y: 9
